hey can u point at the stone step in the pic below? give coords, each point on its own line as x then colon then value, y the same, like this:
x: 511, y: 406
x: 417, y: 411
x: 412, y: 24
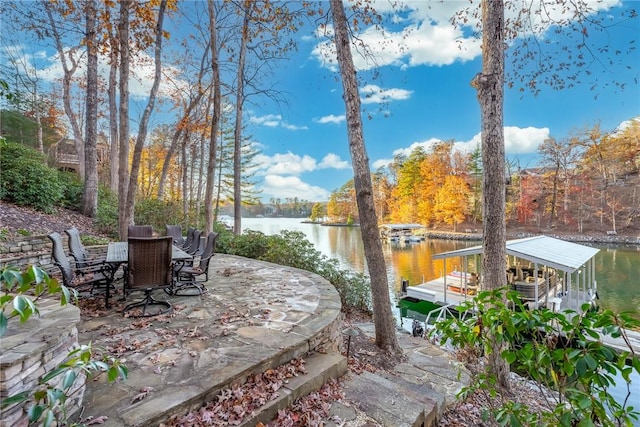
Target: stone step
x: 391, y: 400
x: 320, y: 369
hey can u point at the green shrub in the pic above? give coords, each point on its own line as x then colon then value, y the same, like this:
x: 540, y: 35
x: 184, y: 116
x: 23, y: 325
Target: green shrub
x: 563, y: 352
x: 26, y: 180
x: 158, y: 213
x: 106, y: 220
x: 72, y: 190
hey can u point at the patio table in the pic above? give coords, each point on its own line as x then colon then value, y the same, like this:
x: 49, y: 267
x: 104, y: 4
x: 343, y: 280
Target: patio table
x: 118, y: 253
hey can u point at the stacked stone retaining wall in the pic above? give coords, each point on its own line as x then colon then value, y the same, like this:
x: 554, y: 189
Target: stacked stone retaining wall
x: 31, y: 349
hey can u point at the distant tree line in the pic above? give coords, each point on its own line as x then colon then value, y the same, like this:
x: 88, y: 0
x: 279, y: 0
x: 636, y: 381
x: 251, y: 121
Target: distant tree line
x: 588, y: 181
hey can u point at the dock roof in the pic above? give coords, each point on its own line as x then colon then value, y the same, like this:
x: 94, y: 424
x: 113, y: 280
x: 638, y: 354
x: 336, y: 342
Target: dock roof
x: 545, y: 250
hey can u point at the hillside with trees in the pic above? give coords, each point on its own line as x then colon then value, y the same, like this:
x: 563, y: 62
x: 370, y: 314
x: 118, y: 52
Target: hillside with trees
x: 584, y: 184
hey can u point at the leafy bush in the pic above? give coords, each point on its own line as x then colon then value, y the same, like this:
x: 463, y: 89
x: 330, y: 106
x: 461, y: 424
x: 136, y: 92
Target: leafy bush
x: 106, y: 220
x: 563, y: 352
x: 157, y: 213
x: 72, y: 190
x: 48, y: 398
x: 26, y: 180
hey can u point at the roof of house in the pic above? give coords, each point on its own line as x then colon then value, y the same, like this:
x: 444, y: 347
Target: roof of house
x: 545, y: 250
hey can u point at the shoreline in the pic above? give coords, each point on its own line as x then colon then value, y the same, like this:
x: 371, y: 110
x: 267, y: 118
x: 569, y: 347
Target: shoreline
x: 513, y: 234
x: 614, y: 240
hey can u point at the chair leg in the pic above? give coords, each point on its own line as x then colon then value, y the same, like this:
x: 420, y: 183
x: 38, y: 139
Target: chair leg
x: 188, y: 288
x: 148, y: 301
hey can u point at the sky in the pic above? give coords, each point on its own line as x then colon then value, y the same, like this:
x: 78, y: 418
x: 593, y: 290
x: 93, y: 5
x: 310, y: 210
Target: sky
x: 417, y: 91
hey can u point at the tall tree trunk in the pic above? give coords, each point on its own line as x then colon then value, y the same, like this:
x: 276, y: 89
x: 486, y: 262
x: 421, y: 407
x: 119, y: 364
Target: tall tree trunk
x: 124, y: 220
x: 383, y: 318
x: 114, y: 160
x: 38, y: 114
x: 68, y: 72
x: 490, y: 87
x: 176, y: 138
x: 237, y: 135
x: 90, y: 197
x: 185, y: 180
x: 215, y: 121
x: 144, y: 121
x: 183, y: 122
x: 554, y: 195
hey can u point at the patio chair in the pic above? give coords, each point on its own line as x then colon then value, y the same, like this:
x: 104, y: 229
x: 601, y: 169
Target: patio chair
x: 149, y: 268
x: 91, y: 277
x: 195, y: 243
x: 140, y: 231
x: 78, y: 251
x: 189, y: 239
x: 175, y: 231
x: 190, y: 280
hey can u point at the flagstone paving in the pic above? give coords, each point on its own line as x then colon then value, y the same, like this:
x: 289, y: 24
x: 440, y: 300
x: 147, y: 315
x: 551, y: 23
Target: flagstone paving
x: 255, y: 316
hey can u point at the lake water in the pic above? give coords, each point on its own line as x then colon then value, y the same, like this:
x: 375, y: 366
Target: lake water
x: 617, y: 267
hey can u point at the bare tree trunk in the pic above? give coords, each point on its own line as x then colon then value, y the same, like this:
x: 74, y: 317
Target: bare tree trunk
x: 383, y: 318
x: 554, y: 195
x: 237, y: 135
x: 38, y: 114
x: 90, y: 197
x: 124, y: 220
x: 215, y: 121
x: 490, y: 87
x: 176, y: 138
x: 185, y: 180
x: 144, y: 121
x: 114, y: 160
x: 68, y: 73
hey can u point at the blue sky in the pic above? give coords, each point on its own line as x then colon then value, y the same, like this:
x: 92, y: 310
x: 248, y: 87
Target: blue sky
x: 428, y: 97
x: 421, y: 94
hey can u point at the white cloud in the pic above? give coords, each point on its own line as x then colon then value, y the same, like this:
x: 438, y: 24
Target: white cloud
x: 420, y: 33
x: 293, y: 164
x: 140, y: 77
x: 373, y: 94
x: 423, y: 41
x: 331, y: 118
x: 333, y: 161
x: 269, y: 120
x: 427, y: 145
x: 292, y: 186
x: 627, y: 123
x: 274, y: 120
x: 285, y: 164
x: 381, y: 163
x: 517, y: 141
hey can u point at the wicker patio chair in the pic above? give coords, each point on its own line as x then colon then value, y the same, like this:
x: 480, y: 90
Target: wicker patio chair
x: 140, y: 231
x: 191, y: 279
x: 149, y: 268
x: 78, y: 251
x: 91, y: 278
x: 175, y: 231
